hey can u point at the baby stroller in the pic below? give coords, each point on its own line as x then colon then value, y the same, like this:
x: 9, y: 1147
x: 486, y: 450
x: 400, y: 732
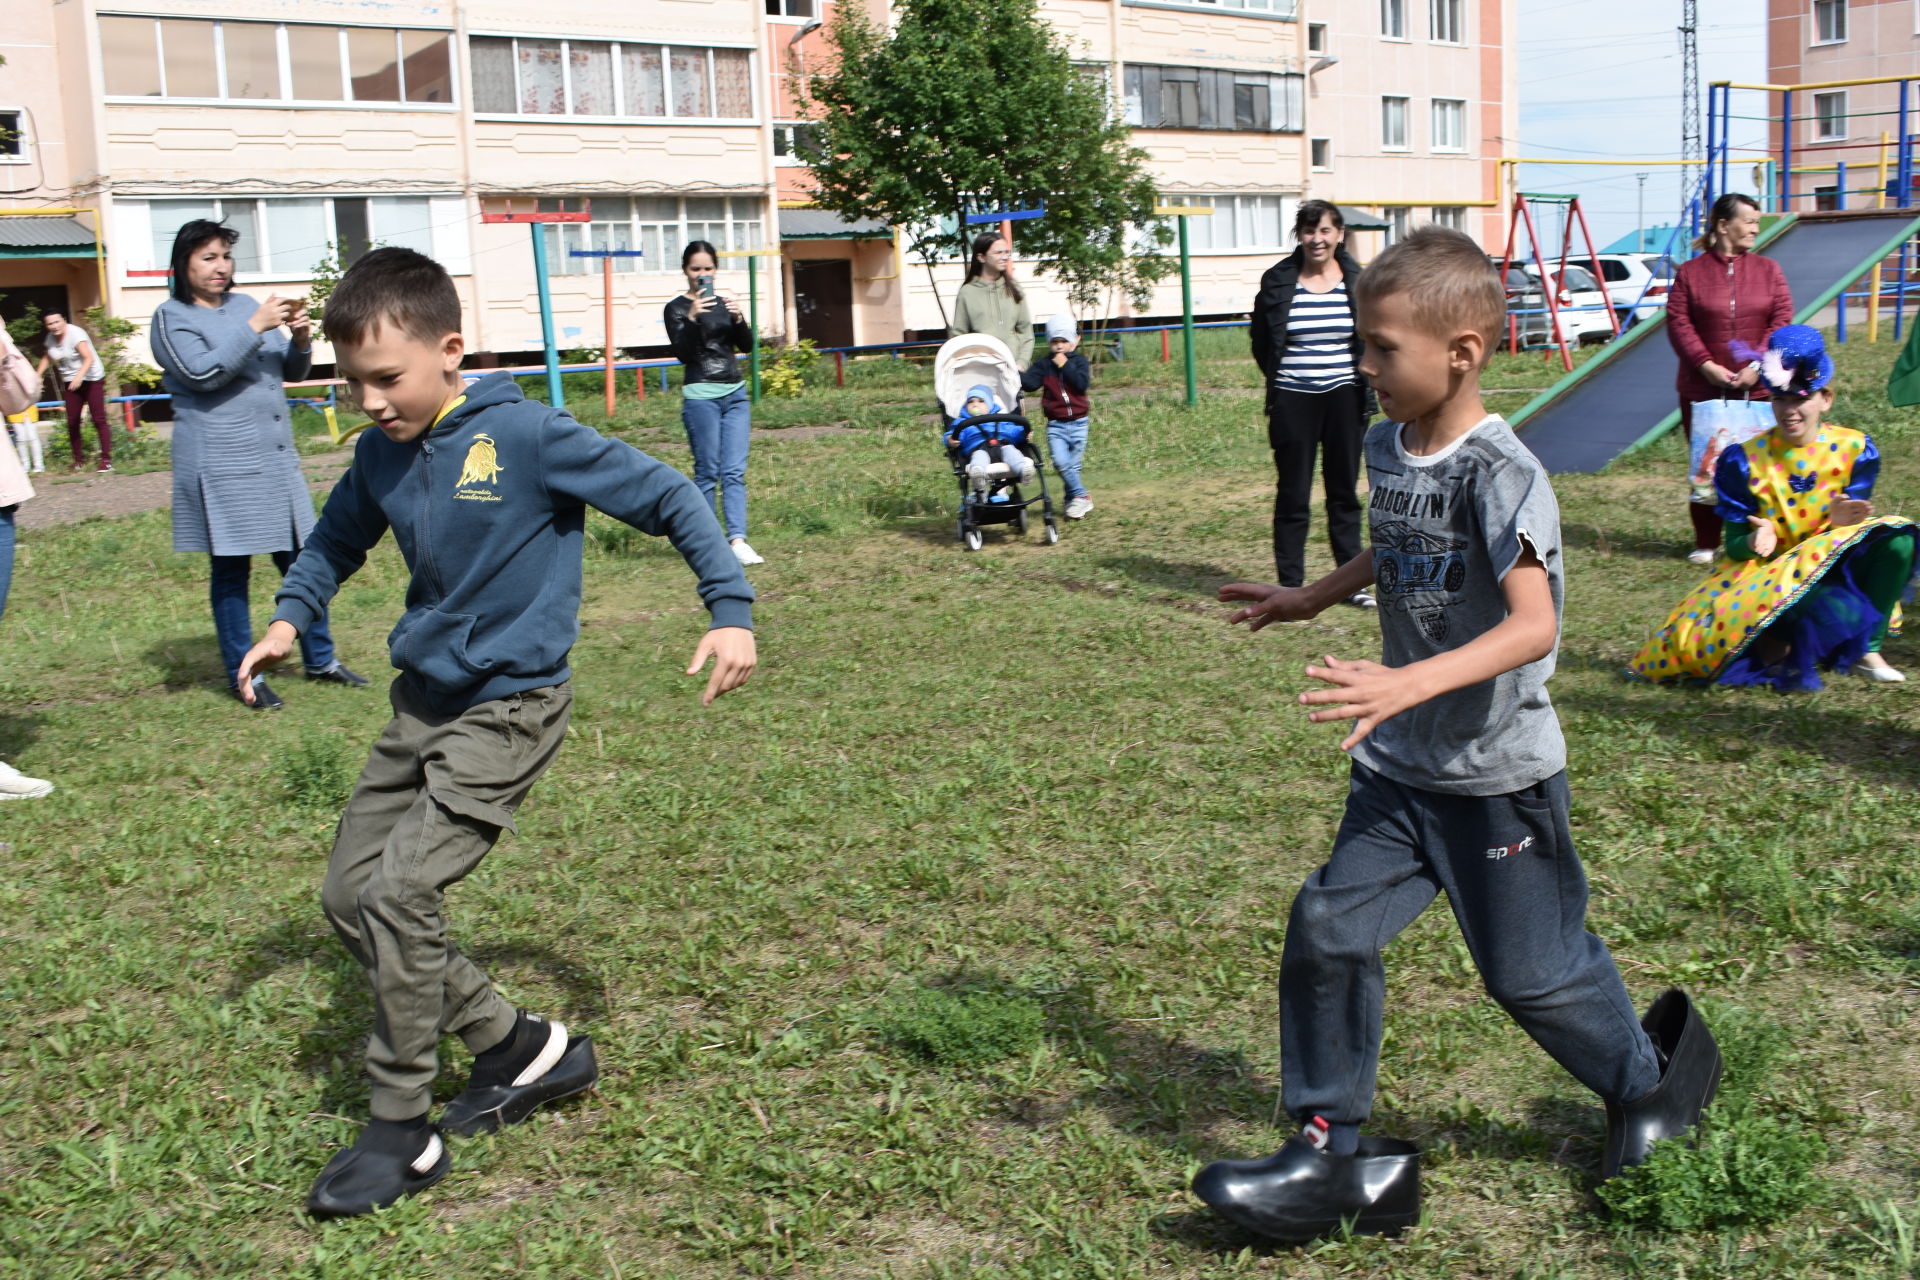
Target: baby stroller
x: 964, y: 363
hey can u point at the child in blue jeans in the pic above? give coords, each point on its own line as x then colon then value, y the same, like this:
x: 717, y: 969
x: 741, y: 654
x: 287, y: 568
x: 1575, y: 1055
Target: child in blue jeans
x: 1061, y: 377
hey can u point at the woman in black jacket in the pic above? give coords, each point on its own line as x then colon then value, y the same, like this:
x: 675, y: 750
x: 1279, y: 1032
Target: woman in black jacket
x: 706, y: 329
x: 1309, y: 354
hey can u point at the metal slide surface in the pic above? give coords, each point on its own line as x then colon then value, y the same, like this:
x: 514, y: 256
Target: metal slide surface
x: 1626, y: 396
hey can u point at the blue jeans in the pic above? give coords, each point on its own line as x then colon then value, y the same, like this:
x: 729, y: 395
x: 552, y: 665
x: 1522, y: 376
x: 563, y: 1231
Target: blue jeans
x: 1067, y: 441
x: 6, y: 554
x: 233, y: 623
x: 717, y: 432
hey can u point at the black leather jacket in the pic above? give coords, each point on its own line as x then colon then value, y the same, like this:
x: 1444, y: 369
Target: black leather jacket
x: 1268, y: 327
x: 706, y: 346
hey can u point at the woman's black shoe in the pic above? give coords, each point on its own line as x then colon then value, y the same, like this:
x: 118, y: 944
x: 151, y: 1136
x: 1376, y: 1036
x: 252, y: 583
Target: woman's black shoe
x: 1689, y: 1075
x: 264, y: 698
x: 377, y: 1170
x: 1299, y: 1193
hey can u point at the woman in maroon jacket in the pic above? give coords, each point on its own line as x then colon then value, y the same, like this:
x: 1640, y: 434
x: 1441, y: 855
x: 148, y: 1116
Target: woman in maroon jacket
x: 1727, y: 294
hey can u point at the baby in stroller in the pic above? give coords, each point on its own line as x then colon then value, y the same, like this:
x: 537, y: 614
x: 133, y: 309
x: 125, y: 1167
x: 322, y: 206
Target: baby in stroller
x: 980, y: 443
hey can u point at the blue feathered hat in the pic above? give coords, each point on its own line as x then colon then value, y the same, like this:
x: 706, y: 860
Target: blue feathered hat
x: 1796, y: 362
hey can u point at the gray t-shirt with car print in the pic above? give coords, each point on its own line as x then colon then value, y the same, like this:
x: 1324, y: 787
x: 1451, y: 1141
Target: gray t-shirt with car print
x: 1446, y: 529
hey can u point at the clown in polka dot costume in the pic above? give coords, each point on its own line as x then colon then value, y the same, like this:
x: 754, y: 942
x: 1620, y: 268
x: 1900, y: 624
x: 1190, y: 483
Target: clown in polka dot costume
x: 1810, y: 578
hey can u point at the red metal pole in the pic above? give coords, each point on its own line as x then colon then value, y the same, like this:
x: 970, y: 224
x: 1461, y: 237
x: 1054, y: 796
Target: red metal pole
x: 839, y: 368
x: 606, y: 278
x: 128, y: 406
x: 640, y: 383
x: 1166, y: 346
x: 1593, y: 263
x: 1549, y: 290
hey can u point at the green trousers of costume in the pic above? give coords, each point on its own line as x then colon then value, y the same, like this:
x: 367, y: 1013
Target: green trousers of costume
x: 435, y: 795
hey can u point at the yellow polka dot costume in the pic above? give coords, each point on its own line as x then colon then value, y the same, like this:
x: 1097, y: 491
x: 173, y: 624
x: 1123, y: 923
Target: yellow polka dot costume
x: 1708, y: 635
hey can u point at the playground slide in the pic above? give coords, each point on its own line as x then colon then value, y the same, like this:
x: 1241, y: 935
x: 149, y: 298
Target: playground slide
x: 1624, y: 397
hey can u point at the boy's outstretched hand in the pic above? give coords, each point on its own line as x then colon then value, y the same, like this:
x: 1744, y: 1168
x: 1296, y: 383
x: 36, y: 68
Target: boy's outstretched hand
x: 1365, y: 691
x: 270, y: 652
x: 1267, y: 604
x: 733, y: 654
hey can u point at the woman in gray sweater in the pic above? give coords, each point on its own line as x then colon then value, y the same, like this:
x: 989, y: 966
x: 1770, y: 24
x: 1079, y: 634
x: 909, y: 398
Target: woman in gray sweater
x: 237, y: 487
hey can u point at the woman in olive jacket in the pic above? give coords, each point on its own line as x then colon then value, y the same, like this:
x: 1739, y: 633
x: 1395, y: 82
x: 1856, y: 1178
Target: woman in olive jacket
x: 1308, y: 350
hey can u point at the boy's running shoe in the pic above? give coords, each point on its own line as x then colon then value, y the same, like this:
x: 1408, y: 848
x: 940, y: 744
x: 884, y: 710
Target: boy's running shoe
x: 1077, y: 508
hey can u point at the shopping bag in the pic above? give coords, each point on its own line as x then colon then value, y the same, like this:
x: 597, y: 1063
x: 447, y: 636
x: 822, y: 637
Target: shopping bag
x: 1718, y: 424
x: 19, y: 384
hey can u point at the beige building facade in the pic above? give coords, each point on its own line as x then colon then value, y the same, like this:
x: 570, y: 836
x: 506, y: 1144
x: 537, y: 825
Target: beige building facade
x: 317, y: 129
x: 1821, y: 41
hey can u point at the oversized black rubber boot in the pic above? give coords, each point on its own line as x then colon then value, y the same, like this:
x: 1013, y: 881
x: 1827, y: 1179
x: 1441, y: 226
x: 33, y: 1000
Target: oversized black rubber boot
x: 1689, y: 1075
x: 374, y: 1172
x: 1299, y: 1193
x: 484, y: 1108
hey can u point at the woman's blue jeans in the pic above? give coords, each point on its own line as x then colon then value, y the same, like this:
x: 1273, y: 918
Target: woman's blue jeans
x: 6, y: 553
x: 1067, y: 441
x: 718, y: 433
x: 233, y: 623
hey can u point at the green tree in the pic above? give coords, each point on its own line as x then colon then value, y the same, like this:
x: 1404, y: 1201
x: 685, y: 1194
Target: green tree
x: 976, y: 104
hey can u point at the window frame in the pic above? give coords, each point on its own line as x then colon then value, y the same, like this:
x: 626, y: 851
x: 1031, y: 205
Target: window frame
x: 1313, y: 147
x: 1286, y: 97
x: 1399, y: 223
x: 754, y: 120
x: 1457, y: 9
x: 559, y: 235
x: 1836, y: 8
x: 1270, y: 10
x: 1319, y: 38
x: 785, y: 17
x: 794, y: 158
x: 1819, y: 118
x: 1451, y: 216
x: 1433, y: 124
x: 456, y: 256
x: 1239, y: 214
x: 22, y: 141
x: 286, y: 101
x: 1406, y: 141
x: 1393, y: 21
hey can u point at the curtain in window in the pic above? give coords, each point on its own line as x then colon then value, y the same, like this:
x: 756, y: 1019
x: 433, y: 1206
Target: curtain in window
x: 733, y: 87
x: 643, y: 82
x: 691, y: 93
x: 493, y: 76
x: 297, y: 232
x: 543, y: 86
x: 591, y: 64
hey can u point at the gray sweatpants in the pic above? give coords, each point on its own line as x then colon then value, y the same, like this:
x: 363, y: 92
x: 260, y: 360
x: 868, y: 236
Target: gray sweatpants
x: 435, y: 794
x: 1516, y: 887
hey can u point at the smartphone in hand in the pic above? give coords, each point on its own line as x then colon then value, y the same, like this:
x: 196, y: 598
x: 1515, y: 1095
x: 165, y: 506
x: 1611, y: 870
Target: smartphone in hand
x: 706, y: 288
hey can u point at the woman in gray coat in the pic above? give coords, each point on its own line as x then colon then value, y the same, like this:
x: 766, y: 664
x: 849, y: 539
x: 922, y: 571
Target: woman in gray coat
x: 237, y: 487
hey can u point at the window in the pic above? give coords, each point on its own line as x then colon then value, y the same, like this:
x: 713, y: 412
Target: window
x: 1316, y: 37
x: 1397, y: 223
x: 1826, y: 199
x: 1451, y: 216
x: 273, y: 62
x: 790, y: 8
x: 1447, y: 21
x: 1449, y: 124
x: 1240, y: 223
x: 1829, y: 21
x: 287, y: 236
x: 795, y: 143
x: 1278, y: 8
x: 658, y: 226
x: 13, y: 136
x: 1393, y: 124
x: 1202, y: 98
x: 1322, y: 153
x: 598, y: 78
x: 1393, y: 19
x: 1830, y: 116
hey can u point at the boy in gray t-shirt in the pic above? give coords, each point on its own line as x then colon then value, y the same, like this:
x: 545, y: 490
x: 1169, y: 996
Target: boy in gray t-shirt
x: 1459, y: 779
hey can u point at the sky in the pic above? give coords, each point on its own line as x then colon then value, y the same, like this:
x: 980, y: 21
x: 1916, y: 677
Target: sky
x: 1602, y: 81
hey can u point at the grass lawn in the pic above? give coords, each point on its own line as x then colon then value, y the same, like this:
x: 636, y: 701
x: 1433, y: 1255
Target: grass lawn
x: 1046, y: 776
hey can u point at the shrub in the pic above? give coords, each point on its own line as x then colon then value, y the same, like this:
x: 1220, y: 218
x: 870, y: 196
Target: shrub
x: 965, y: 1026
x: 786, y: 373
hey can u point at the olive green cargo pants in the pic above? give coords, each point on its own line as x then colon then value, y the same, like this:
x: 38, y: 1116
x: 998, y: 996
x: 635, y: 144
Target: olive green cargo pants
x: 436, y: 792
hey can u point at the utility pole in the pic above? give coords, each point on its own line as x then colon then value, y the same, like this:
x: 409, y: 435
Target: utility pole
x: 1640, y: 216
x: 1690, y: 148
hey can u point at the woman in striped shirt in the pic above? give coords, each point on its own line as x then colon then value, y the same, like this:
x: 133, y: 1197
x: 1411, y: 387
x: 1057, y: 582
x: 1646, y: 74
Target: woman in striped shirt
x: 1317, y: 403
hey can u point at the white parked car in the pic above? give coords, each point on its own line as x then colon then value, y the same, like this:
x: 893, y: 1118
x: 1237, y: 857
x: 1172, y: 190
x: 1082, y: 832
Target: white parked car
x: 1642, y: 278
x: 1584, y: 318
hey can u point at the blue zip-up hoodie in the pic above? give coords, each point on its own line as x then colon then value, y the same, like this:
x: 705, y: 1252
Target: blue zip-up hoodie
x: 488, y: 508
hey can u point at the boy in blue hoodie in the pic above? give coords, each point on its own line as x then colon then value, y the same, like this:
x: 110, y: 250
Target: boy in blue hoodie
x: 486, y: 493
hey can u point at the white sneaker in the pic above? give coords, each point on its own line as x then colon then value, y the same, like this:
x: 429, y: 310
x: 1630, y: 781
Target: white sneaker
x: 1876, y: 668
x: 15, y: 785
x: 1701, y: 556
x: 1027, y: 471
x: 1078, y: 507
x: 746, y: 554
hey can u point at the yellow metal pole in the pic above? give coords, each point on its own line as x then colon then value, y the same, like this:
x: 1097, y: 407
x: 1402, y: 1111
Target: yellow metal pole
x: 1879, y: 202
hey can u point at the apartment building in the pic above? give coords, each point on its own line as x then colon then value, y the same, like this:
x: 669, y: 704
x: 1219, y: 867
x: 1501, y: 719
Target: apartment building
x: 1820, y: 41
x: 317, y: 128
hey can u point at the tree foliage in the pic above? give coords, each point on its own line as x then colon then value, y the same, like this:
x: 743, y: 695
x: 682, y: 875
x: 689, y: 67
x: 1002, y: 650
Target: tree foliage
x: 966, y: 105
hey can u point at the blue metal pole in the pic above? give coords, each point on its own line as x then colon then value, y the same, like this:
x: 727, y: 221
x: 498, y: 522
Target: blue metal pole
x: 1713, y: 137
x: 1903, y: 169
x: 1786, y: 151
x: 1840, y: 185
x: 1726, y: 121
x: 555, y: 396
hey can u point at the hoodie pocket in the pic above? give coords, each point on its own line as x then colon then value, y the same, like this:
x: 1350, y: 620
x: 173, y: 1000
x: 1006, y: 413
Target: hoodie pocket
x: 435, y: 646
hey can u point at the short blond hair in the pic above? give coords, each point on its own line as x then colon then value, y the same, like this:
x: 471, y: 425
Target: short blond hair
x: 1447, y: 278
